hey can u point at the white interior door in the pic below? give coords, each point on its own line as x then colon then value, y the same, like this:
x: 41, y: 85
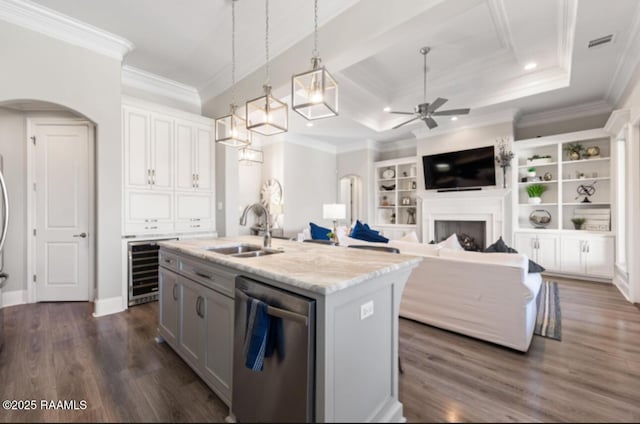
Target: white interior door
x: 63, y: 175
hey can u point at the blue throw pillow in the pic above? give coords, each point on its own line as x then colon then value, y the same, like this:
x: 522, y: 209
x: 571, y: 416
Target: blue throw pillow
x: 318, y: 232
x: 371, y: 230
x: 361, y: 232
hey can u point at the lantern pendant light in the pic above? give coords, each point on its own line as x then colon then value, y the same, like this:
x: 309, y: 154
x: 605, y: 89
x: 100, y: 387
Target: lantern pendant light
x: 314, y: 93
x: 250, y: 156
x: 231, y: 129
x: 267, y: 115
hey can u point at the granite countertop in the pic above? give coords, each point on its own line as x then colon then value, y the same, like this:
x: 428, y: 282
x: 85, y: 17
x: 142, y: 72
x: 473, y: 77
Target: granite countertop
x: 318, y: 268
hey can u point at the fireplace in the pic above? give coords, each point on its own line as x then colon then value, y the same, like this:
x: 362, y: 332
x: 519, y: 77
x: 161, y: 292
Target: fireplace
x: 485, y: 215
x: 471, y: 234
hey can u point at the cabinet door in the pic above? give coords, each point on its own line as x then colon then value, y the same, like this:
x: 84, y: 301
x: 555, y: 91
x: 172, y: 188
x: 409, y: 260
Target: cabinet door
x: 194, y: 211
x: 218, y: 362
x: 203, y: 159
x: 169, y: 306
x: 572, y: 255
x: 600, y: 257
x: 137, y: 153
x: 547, y: 251
x: 525, y: 244
x: 185, y: 172
x: 162, y: 152
x: 192, y: 324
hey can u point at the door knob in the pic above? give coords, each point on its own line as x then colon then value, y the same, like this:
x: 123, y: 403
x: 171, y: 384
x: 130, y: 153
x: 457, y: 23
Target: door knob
x: 82, y: 235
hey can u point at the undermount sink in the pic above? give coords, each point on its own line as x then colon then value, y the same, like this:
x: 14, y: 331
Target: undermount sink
x: 243, y: 250
x: 234, y: 250
x: 256, y: 253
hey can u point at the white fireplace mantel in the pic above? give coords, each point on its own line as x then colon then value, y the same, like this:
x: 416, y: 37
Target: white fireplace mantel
x: 493, y: 207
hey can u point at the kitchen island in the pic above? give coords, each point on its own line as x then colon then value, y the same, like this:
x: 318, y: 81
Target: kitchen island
x: 353, y: 326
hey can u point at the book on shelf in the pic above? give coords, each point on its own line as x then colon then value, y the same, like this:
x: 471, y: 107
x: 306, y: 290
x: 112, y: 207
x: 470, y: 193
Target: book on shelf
x: 596, y: 219
x: 596, y: 225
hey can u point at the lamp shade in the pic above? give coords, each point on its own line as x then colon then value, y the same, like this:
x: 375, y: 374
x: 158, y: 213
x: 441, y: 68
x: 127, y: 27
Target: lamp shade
x: 334, y: 211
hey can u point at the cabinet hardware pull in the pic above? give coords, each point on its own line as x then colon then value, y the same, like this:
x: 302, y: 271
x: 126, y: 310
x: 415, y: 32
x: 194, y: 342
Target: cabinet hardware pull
x: 197, y: 180
x: 195, y: 226
x: 198, y: 306
x: 203, y: 275
x: 151, y: 228
x: 168, y: 261
x: 194, y: 219
x: 148, y: 176
x: 193, y: 180
x: 150, y: 220
x: 153, y: 177
x: 175, y: 295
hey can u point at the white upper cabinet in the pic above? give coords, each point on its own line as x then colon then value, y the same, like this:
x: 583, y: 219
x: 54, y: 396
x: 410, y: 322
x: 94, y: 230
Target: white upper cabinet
x: 148, y: 148
x: 168, y: 173
x: 193, y: 151
x: 162, y: 152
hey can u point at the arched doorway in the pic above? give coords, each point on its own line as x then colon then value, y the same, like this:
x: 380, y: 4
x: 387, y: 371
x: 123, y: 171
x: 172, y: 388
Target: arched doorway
x: 350, y: 193
x: 49, y: 160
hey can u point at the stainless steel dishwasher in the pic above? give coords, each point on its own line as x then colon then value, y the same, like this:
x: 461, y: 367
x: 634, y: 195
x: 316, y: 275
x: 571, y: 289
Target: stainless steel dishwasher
x: 284, y: 390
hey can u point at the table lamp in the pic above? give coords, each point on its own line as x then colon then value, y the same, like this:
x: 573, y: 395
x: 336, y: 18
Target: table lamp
x: 334, y: 211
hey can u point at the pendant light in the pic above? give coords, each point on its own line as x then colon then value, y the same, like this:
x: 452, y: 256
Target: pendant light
x: 250, y: 156
x: 267, y: 115
x: 231, y: 129
x: 314, y: 93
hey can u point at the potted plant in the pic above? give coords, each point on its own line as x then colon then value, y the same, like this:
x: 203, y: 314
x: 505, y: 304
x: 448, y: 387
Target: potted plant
x: 531, y: 172
x: 574, y: 150
x: 535, y: 192
x: 577, y: 223
x: 538, y: 159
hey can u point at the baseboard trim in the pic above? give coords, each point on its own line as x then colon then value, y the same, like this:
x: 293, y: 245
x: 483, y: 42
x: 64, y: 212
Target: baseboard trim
x: 12, y: 298
x: 108, y: 306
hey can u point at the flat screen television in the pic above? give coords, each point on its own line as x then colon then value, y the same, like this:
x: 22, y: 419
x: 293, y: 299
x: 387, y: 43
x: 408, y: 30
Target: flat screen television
x: 461, y: 169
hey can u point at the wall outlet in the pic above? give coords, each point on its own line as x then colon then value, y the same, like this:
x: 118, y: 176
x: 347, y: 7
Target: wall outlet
x: 366, y: 310
x: 220, y: 206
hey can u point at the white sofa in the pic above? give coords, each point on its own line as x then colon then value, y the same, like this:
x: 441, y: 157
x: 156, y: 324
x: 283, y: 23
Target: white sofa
x: 489, y: 296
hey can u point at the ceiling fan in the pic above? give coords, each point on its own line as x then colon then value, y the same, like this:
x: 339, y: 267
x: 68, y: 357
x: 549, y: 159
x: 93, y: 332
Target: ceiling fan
x: 424, y: 111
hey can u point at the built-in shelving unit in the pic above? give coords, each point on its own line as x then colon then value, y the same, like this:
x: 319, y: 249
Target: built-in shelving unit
x: 560, y: 247
x: 395, y: 195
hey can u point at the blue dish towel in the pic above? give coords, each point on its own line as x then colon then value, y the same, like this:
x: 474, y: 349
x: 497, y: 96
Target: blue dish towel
x: 256, y: 335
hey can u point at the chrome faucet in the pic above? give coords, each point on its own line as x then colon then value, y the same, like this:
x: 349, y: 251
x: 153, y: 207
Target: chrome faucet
x: 267, y: 231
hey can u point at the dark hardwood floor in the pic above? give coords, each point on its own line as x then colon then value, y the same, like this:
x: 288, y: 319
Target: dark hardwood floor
x: 57, y: 351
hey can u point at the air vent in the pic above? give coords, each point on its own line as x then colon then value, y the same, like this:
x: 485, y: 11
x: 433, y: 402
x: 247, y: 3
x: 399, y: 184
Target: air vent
x: 600, y: 41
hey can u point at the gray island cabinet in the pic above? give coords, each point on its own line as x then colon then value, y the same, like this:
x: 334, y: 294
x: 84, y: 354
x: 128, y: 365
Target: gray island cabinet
x: 356, y: 294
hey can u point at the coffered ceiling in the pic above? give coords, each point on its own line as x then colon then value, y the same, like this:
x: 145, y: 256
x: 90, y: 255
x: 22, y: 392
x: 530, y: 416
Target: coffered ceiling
x: 479, y: 52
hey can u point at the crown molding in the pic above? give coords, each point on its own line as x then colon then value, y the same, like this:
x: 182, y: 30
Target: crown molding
x: 155, y: 84
x: 468, y: 122
x: 628, y: 63
x: 568, y: 16
x: 35, y: 17
x: 133, y: 101
x: 618, y: 119
x: 391, y: 146
x: 357, y: 146
x: 563, y: 114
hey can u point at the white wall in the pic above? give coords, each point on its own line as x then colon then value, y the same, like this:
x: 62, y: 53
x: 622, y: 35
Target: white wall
x: 309, y: 182
x: 41, y: 68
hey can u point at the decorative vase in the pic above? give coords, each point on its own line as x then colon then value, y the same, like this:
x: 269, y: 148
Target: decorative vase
x: 574, y: 155
x: 547, y: 176
x: 577, y: 226
x: 535, y: 200
x: 531, y: 174
x: 504, y: 177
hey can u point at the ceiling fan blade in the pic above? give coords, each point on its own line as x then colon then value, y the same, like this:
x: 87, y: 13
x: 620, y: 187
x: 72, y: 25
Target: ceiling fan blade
x: 402, y: 113
x: 436, y: 104
x: 405, y: 122
x: 430, y: 123
x: 452, y: 112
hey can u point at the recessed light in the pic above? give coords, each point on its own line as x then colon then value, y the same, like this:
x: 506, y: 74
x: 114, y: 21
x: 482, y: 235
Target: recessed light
x: 454, y: 118
x: 309, y: 124
x: 387, y: 109
x: 529, y: 66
